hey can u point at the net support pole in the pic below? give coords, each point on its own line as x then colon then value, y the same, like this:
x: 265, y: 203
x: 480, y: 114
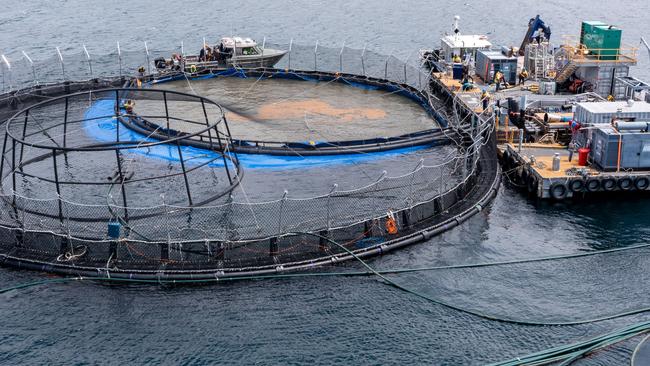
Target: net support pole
x: 166, y: 111
x: 316, y: 56
x: 363, y: 61
x: 341, y: 57
x: 22, y: 146
x: 386, y: 65
x: 2, y: 68
x: 290, y: 47
x: 221, y: 150
x: 58, y: 185
x: 187, y: 184
x: 146, y: 56
x: 122, y: 188
x: 65, y: 122
x: 417, y: 167
x: 263, y: 47
x: 90, y: 64
x: 58, y: 51
x: 117, y: 116
x: 282, y: 202
x: 229, y: 143
x: 31, y: 63
x: 13, y: 170
x: 119, y: 59
x: 223, y: 153
x: 2, y: 162
x: 8, y: 64
x: 329, y: 209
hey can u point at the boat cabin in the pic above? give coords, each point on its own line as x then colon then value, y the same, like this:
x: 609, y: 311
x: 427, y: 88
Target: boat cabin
x: 462, y: 45
x: 242, y: 46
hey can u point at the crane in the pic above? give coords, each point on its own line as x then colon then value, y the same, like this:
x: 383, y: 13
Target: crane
x: 535, y: 25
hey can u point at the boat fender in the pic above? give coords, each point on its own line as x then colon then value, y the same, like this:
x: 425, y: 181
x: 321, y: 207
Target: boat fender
x: 625, y: 184
x: 577, y: 185
x: 531, y: 184
x: 525, y: 174
x: 608, y: 184
x: 558, y: 191
x: 506, y: 158
x: 479, y: 207
x: 193, y: 69
x: 593, y: 185
x: 641, y: 183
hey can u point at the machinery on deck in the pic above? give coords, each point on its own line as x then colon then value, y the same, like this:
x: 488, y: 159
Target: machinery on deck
x: 536, y: 27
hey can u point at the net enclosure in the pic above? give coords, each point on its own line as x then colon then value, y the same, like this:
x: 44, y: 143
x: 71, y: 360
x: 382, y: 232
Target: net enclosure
x: 112, y: 182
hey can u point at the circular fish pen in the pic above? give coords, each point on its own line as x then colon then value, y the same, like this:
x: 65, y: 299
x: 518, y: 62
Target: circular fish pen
x: 140, y: 183
x: 280, y: 112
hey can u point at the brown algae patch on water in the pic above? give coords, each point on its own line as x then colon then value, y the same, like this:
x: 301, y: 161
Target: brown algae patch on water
x: 298, y: 109
x: 295, y: 109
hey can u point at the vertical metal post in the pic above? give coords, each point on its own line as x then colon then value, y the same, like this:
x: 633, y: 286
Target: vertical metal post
x: 146, y: 56
x: 405, y: 64
x: 221, y: 151
x: 2, y: 68
x: 166, y: 110
x: 22, y: 146
x: 363, y: 62
x: 119, y: 171
x: 290, y: 47
x: 341, y: 58
x: 263, y: 47
x: 119, y: 58
x: 13, y: 169
x: 417, y: 167
x: 65, y: 122
x: 187, y: 184
x: 386, y: 65
x: 521, y: 139
x: 56, y: 182
x: 2, y: 161
x: 117, y: 115
x: 61, y: 60
x: 6, y: 61
x: 329, y: 196
x: 316, y: 56
x: 31, y: 63
x: 90, y: 65
x: 284, y: 199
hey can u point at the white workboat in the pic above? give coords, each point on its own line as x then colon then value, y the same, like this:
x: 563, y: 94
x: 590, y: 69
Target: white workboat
x: 230, y: 52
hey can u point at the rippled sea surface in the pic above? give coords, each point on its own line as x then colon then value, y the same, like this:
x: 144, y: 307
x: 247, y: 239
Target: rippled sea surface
x: 343, y: 320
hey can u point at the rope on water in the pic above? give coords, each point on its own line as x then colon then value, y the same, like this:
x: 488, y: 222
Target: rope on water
x: 381, y: 274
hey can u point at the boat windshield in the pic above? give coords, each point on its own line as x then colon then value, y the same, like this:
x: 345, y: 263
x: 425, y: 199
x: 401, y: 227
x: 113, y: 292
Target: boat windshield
x: 248, y: 51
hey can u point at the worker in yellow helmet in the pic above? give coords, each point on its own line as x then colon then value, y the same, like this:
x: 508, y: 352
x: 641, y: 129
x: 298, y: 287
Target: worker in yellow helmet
x: 523, y: 75
x: 498, y: 79
x: 456, y: 59
x: 485, y: 99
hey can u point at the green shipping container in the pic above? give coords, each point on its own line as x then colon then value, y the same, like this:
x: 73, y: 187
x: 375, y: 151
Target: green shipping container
x: 609, y: 38
x: 587, y: 30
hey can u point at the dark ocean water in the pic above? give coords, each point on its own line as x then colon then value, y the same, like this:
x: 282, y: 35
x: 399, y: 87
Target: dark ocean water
x: 342, y: 320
